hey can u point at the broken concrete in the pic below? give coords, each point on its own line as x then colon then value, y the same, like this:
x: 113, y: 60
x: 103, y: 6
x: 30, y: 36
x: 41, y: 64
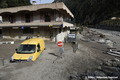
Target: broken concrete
x: 109, y: 43
x: 101, y: 40
x: 107, y: 70
x: 113, y: 51
x: 92, y: 36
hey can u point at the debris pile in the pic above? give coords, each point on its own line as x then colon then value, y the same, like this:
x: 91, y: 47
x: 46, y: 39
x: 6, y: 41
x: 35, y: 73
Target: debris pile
x: 90, y: 35
x: 108, y: 70
x: 113, y: 51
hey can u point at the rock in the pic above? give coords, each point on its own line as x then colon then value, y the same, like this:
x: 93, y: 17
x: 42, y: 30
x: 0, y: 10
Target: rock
x: 100, y: 73
x: 109, y: 43
x: 102, y: 36
x: 101, y: 40
x: 107, y: 63
x: 114, y: 64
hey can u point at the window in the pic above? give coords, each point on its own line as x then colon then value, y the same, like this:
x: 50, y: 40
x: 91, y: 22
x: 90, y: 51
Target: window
x: 27, y: 18
x: 10, y: 18
x: 28, y: 31
x: 26, y: 49
x: 47, y: 17
x: 38, y: 47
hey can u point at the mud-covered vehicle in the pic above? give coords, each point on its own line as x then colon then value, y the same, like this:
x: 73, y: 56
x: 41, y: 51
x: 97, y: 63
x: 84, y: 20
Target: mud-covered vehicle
x: 71, y: 37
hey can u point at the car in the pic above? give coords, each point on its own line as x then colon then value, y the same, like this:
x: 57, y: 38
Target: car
x: 29, y: 50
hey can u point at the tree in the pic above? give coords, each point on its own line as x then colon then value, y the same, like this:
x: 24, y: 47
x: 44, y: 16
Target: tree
x: 13, y: 3
x: 93, y: 11
x: 3, y: 4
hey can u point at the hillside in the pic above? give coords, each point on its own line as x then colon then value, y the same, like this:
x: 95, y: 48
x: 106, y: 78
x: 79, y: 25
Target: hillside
x: 93, y: 11
x: 13, y: 3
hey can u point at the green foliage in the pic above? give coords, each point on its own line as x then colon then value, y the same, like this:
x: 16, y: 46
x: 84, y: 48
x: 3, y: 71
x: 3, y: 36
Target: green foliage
x: 13, y: 3
x: 114, y: 22
x: 3, y: 4
x: 89, y: 12
x: 80, y: 27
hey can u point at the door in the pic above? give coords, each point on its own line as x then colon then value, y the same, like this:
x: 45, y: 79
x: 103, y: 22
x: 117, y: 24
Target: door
x: 47, y: 32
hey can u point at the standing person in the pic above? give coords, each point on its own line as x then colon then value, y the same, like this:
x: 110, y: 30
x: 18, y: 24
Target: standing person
x: 75, y: 46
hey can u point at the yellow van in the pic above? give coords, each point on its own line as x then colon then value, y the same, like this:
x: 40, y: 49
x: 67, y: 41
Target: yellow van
x: 29, y: 50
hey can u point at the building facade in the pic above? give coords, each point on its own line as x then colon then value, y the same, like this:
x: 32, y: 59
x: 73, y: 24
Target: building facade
x: 49, y: 21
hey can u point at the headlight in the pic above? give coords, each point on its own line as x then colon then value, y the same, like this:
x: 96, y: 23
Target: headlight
x: 30, y: 58
x: 12, y: 58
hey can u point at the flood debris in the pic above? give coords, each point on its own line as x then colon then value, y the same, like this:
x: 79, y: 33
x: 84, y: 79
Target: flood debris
x: 94, y: 36
x: 108, y: 70
x: 101, y: 40
x: 91, y: 35
x: 113, y: 51
x: 110, y: 43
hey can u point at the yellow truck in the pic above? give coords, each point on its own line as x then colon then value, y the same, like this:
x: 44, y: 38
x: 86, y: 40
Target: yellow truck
x: 29, y: 50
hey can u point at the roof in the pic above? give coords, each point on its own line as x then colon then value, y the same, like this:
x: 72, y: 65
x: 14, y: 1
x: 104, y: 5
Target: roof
x: 57, y: 6
x: 32, y: 41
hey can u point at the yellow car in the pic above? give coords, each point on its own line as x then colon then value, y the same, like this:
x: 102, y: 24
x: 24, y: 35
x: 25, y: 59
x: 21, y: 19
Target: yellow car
x: 29, y: 50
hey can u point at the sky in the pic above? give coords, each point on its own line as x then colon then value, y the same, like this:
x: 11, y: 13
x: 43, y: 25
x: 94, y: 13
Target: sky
x: 43, y: 1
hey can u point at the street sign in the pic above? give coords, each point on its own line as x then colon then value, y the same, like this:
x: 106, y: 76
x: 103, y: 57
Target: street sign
x: 62, y: 26
x: 60, y: 44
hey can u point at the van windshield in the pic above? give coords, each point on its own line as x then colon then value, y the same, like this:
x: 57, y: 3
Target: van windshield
x: 26, y: 49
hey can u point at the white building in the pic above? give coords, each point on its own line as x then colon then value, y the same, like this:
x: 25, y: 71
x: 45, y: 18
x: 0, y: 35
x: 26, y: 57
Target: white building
x: 50, y: 21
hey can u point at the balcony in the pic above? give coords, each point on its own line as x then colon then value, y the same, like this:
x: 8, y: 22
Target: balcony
x: 33, y: 24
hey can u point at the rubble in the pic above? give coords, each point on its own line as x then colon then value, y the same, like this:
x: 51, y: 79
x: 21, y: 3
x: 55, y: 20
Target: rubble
x: 90, y: 35
x: 109, y: 43
x: 108, y: 70
x: 101, y: 40
x: 94, y: 36
x: 113, y: 51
